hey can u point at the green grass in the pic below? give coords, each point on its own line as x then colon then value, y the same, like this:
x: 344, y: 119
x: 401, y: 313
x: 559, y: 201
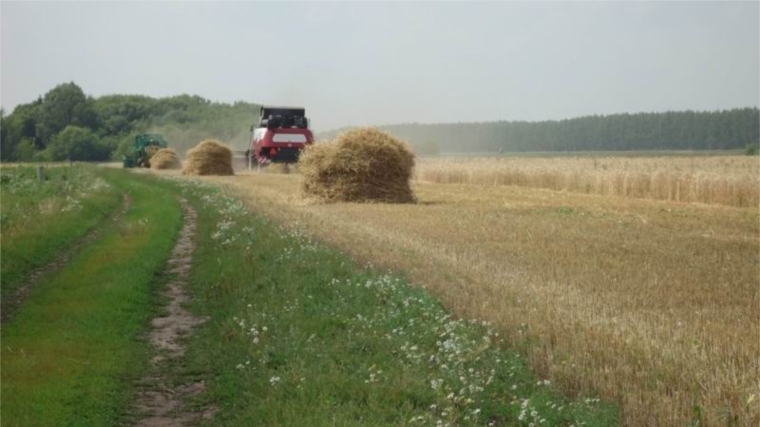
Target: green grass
x: 302, y: 336
x: 72, y: 352
x: 38, y: 220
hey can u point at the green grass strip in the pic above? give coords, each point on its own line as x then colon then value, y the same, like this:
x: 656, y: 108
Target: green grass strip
x: 38, y: 220
x: 70, y: 355
x: 302, y: 336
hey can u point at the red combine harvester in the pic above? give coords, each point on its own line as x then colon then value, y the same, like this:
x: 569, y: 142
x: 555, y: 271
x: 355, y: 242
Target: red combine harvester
x: 282, y: 134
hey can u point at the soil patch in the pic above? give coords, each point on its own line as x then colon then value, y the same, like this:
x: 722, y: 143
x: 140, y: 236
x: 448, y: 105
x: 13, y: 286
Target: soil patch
x: 160, y: 405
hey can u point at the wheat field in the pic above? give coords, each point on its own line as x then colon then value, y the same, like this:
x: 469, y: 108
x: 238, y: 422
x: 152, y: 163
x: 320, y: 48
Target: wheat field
x: 725, y: 180
x: 651, y: 304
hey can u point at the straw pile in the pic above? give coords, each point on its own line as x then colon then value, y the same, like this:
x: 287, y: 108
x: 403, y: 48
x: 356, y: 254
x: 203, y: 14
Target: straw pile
x: 145, y: 160
x: 361, y: 165
x: 210, y: 157
x: 165, y: 158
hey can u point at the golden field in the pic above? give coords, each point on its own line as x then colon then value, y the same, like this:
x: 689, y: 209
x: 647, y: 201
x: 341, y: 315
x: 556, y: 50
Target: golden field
x: 651, y: 304
x: 725, y: 180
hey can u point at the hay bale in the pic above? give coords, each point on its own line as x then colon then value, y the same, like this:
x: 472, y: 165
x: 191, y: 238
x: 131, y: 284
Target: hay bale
x: 210, y: 157
x: 165, y: 158
x: 361, y: 165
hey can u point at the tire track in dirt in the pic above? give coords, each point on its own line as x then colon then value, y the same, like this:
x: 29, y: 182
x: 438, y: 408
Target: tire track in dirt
x: 160, y: 405
x: 10, y: 306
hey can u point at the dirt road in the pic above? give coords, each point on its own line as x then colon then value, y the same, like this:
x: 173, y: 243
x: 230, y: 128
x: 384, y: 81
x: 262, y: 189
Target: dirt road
x: 163, y: 406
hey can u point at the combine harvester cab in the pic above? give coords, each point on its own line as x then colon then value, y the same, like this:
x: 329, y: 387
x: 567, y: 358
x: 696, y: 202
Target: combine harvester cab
x: 281, y: 136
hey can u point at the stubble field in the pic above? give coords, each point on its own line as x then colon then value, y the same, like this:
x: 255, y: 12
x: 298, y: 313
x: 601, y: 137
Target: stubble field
x: 724, y: 180
x: 653, y: 304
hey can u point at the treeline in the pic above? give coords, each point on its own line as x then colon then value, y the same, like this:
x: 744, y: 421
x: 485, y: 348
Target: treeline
x: 673, y: 130
x: 67, y: 124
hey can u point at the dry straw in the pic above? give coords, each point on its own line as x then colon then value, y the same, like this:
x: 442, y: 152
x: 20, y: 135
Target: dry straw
x: 150, y: 151
x: 280, y: 168
x: 723, y: 180
x: 210, y: 157
x: 361, y: 165
x: 165, y: 158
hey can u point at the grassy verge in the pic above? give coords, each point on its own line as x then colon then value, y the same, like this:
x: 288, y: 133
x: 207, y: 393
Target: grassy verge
x: 40, y: 219
x: 71, y: 353
x: 302, y: 336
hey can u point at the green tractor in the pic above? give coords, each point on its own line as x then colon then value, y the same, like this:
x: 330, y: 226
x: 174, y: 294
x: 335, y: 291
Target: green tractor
x: 144, y: 148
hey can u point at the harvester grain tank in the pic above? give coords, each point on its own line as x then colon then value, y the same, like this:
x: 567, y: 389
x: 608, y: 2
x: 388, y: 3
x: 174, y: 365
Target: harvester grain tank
x: 144, y: 147
x: 281, y: 135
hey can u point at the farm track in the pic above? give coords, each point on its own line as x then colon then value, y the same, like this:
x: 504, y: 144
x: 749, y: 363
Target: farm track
x: 11, y: 305
x: 161, y: 404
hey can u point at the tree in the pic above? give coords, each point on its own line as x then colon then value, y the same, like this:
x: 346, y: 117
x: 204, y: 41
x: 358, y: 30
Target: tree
x: 673, y: 130
x: 24, y: 150
x: 76, y: 143
x: 3, y: 135
x: 120, y: 113
x: 124, y: 146
x: 17, y: 126
x: 65, y: 105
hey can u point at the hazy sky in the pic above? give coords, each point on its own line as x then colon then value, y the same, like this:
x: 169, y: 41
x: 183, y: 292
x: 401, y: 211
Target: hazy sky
x: 380, y: 63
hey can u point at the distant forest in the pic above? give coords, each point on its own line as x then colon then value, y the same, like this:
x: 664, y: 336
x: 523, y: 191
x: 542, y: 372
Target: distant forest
x: 672, y: 130
x: 65, y: 124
